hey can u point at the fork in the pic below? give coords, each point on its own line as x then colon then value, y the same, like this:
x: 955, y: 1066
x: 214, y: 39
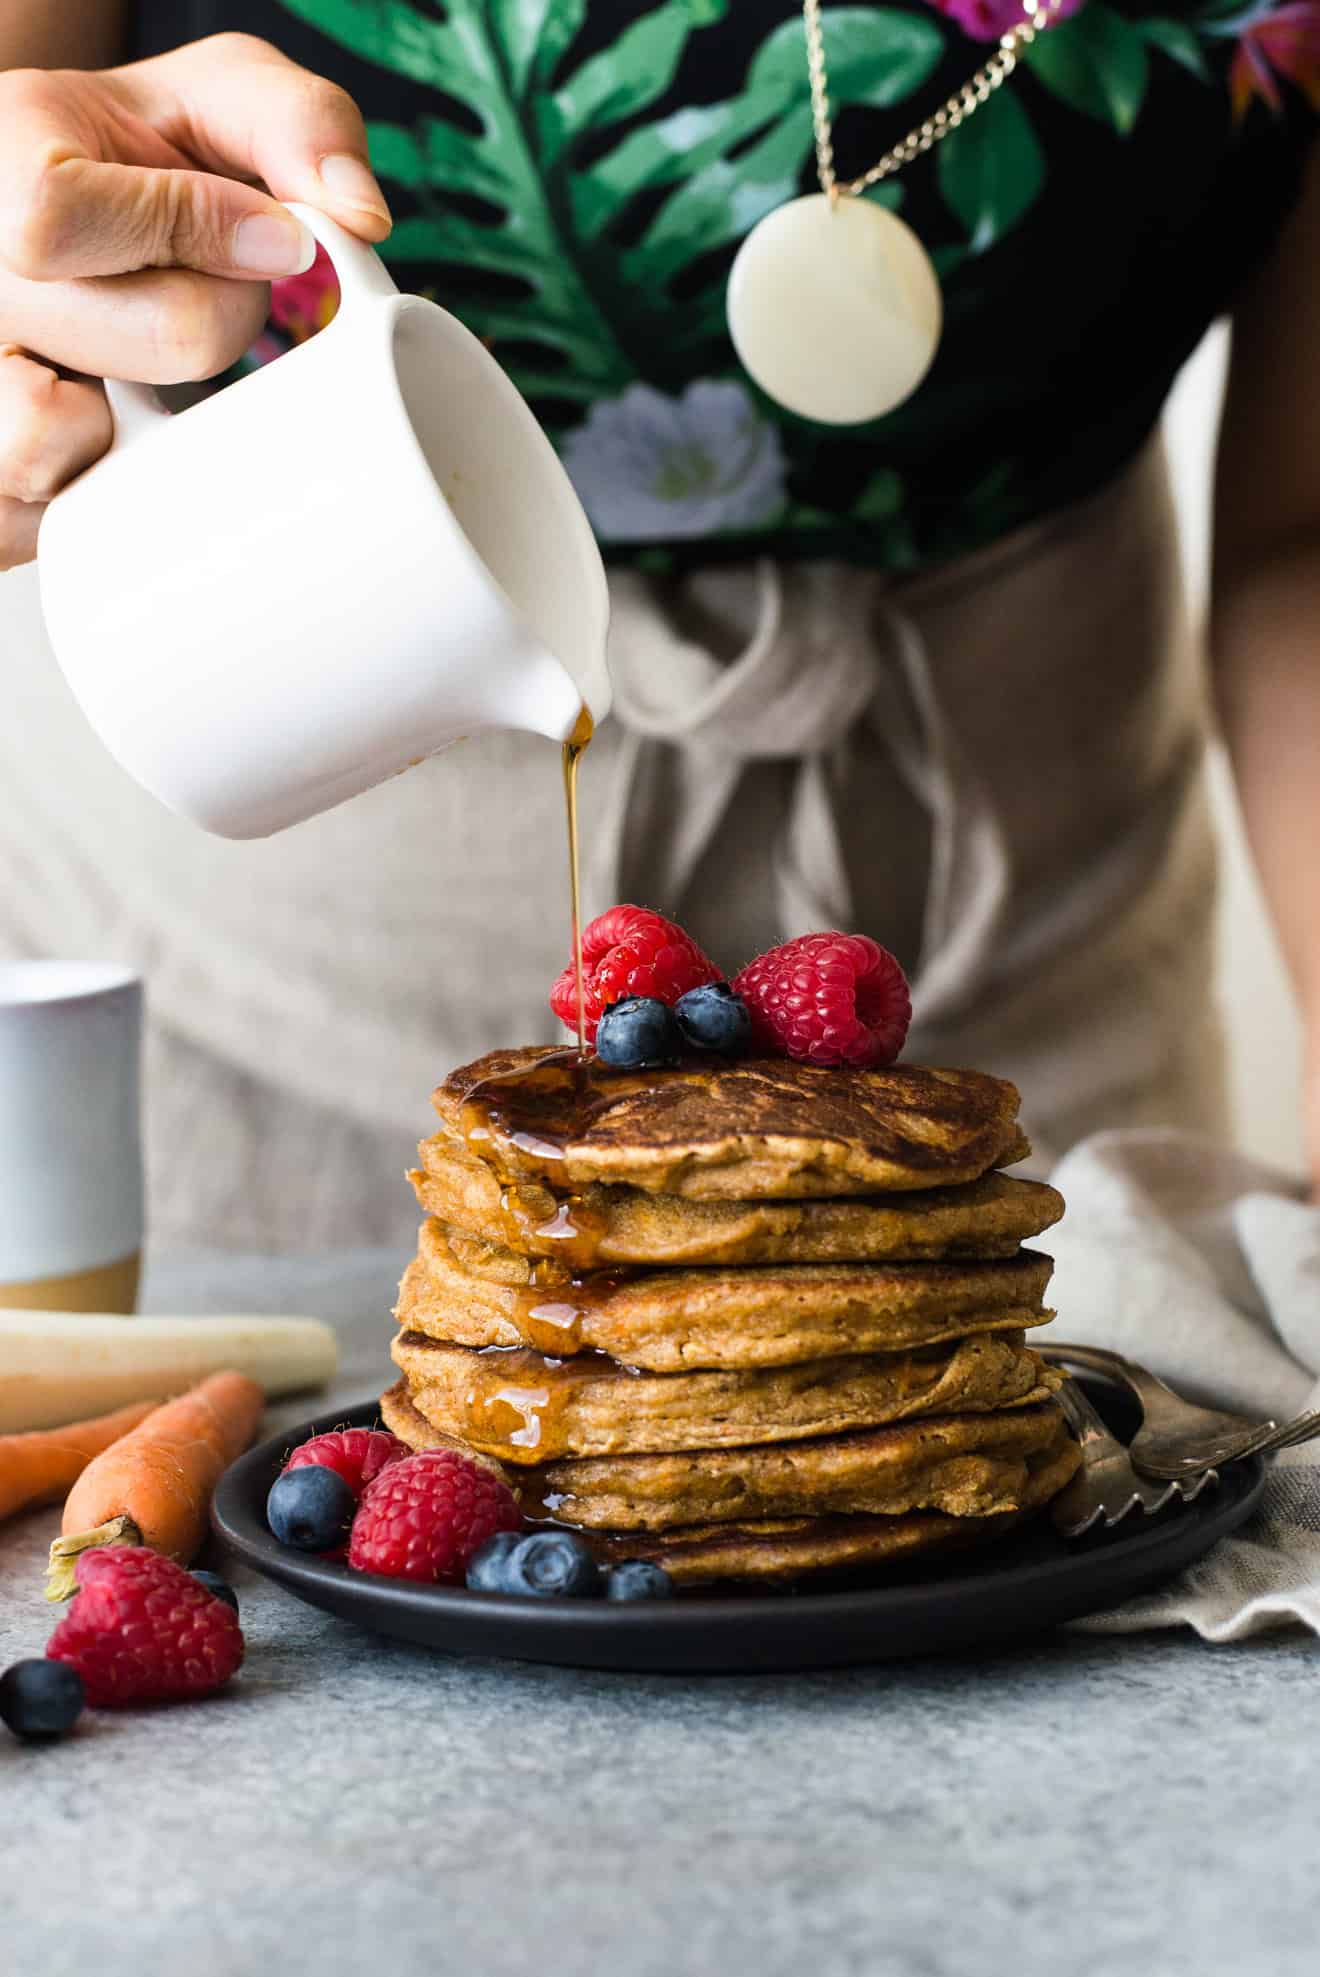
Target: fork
x: 1176, y: 1438
x: 1107, y: 1488
x: 1306, y: 1428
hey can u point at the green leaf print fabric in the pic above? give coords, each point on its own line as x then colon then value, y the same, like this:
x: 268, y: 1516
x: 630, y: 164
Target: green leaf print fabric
x: 1096, y: 62
x: 573, y: 178
x: 991, y: 169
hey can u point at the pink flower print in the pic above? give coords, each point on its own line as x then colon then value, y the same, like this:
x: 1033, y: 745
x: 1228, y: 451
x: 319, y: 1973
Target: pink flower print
x: 987, y: 20
x: 1282, y: 42
x: 305, y: 303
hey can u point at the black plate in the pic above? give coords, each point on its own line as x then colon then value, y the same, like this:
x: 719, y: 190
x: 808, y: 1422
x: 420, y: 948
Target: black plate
x: 1028, y: 1582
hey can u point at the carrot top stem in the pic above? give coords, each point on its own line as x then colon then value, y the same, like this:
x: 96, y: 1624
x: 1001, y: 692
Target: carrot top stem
x: 61, y: 1582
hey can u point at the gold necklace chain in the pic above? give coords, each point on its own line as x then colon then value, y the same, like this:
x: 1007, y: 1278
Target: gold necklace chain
x: 959, y: 107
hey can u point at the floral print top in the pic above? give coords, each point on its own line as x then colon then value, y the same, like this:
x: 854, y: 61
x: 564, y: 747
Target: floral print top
x: 573, y: 177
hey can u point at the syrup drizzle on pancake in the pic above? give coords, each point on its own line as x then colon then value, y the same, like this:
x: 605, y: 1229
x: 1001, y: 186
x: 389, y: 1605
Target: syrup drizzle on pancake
x: 537, y: 1108
x: 552, y: 1311
x: 537, y: 1395
x: 540, y: 1106
x: 574, y: 1230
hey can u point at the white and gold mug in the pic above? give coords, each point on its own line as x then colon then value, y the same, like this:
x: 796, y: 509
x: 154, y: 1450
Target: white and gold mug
x: 71, y: 1193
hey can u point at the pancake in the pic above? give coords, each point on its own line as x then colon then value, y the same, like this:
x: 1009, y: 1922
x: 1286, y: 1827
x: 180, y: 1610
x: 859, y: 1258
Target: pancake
x: 527, y: 1409
x: 671, y: 1321
x: 963, y: 1466
x: 960, y: 1465
x: 620, y: 1224
x: 715, y: 1130
x: 778, y: 1550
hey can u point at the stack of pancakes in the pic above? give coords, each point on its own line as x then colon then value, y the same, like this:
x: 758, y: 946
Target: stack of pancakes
x: 748, y: 1319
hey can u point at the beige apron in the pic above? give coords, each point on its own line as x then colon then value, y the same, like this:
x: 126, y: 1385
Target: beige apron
x: 995, y: 770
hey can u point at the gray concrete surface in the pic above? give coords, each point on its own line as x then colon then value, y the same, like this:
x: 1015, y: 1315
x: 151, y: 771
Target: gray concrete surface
x: 1084, y: 1807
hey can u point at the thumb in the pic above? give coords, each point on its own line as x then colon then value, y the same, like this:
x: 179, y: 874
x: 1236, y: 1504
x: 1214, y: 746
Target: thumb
x: 112, y: 193
x: 84, y: 202
x: 99, y: 219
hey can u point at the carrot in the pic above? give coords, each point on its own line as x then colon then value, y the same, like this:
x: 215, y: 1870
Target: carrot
x: 39, y: 1467
x: 153, y: 1487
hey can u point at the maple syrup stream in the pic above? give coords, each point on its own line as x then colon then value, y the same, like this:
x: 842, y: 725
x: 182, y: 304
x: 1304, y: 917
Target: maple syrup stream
x: 567, y: 1225
x: 573, y: 751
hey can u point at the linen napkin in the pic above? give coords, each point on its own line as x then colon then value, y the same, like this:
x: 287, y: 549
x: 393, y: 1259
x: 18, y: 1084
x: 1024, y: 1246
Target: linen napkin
x: 1205, y: 1266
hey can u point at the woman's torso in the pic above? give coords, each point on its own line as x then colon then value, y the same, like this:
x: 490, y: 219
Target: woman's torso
x: 574, y: 179
x: 306, y: 992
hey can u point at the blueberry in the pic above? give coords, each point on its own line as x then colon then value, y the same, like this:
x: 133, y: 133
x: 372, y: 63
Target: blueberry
x: 638, y: 1034
x: 310, y: 1508
x: 637, y: 1578
x: 546, y: 1565
x: 487, y: 1567
x: 215, y: 1584
x: 713, y: 1018
x: 40, y: 1699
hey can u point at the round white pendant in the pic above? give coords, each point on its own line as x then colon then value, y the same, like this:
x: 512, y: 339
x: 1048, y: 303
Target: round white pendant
x: 834, y: 308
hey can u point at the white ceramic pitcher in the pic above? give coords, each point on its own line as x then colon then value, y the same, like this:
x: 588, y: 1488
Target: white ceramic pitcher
x: 273, y: 601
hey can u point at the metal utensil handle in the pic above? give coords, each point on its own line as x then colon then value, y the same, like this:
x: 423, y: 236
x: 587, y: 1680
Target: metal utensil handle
x: 1294, y: 1434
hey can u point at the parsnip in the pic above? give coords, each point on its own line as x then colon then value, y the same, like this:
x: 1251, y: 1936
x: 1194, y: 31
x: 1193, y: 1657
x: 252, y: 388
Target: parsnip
x: 57, y: 1367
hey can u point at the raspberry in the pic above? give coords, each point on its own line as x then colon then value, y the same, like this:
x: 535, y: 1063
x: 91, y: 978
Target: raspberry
x: 828, y: 999
x: 356, y: 1454
x: 630, y: 951
x: 424, y: 1517
x: 141, y: 1629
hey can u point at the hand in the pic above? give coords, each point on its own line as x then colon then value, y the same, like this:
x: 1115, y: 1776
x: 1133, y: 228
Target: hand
x: 1311, y: 1107
x: 134, y: 242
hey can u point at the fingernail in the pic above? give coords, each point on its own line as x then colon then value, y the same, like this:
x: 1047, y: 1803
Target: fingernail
x: 347, y: 178
x: 265, y: 245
